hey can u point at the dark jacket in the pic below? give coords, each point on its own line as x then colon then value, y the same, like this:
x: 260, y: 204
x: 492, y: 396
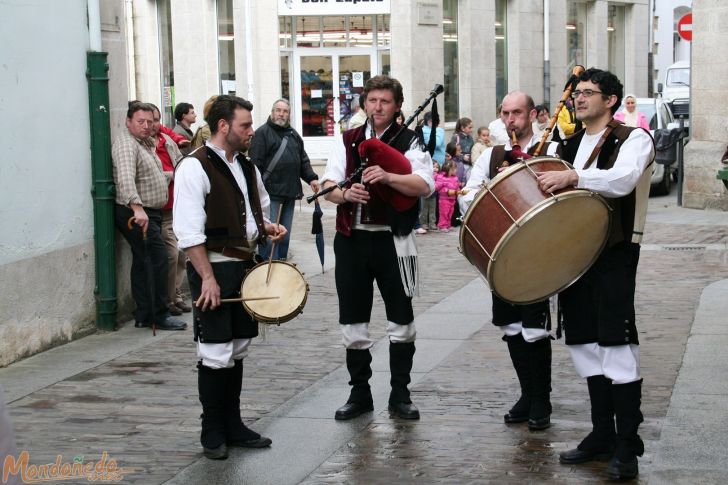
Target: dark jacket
x: 283, y: 182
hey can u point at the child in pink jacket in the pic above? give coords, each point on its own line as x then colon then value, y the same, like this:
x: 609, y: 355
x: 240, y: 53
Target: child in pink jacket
x: 447, y: 187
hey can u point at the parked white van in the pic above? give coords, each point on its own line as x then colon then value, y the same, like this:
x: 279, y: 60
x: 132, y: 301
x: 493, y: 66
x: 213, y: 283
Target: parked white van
x: 676, y: 88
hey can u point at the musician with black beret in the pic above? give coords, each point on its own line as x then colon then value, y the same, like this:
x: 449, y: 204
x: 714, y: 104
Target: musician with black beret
x: 598, y: 310
x: 374, y: 241
x: 526, y: 328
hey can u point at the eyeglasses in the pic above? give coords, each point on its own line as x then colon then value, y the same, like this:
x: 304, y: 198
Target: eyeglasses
x: 588, y: 93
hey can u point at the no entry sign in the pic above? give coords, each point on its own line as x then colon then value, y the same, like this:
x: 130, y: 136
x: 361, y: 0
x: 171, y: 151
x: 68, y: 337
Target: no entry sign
x: 685, y: 26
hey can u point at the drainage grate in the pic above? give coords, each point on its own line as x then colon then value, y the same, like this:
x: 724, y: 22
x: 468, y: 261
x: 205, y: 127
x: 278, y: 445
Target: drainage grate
x: 684, y: 248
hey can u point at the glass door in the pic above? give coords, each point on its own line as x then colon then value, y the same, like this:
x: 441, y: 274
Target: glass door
x: 328, y: 82
x: 354, y: 71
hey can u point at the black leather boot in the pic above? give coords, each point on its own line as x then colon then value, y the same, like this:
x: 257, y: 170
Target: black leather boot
x: 627, y: 399
x: 212, y: 384
x: 358, y: 362
x: 539, y: 359
x: 599, y: 444
x: 237, y: 434
x: 400, y: 366
x: 518, y: 349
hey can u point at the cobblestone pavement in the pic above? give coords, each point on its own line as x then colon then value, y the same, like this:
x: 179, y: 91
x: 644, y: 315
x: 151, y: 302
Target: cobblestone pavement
x: 142, y: 407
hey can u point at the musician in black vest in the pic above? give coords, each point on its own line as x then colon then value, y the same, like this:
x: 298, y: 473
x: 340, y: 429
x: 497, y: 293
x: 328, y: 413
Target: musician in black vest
x: 220, y: 215
x: 525, y: 327
x: 375, y: 242
x: 598, y: 314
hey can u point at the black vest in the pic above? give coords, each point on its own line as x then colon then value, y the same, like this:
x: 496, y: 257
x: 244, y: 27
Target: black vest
x: 623, y: 208
x: 225, y: 204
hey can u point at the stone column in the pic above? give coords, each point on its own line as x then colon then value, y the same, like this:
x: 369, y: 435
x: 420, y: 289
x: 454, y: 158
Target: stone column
x: 417, y: 52
x: 708, y: 109
x: 476, y: 55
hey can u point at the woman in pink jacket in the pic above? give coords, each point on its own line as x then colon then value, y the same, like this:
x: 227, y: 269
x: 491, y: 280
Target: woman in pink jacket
x: 447, y: 187
x: 630, y: 116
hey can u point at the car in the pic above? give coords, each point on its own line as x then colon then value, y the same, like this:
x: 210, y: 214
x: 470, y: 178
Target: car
x: 660, y: 117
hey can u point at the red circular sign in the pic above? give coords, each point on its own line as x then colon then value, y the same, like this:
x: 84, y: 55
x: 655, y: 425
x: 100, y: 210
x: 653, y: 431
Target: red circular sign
x: 685, y: 26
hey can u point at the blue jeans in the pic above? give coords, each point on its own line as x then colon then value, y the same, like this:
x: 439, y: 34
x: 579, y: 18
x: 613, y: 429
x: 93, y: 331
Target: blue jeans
x: 281, y: 250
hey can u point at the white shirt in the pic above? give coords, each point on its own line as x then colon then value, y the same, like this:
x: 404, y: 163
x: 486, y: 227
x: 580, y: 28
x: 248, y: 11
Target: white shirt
x: 634, y: 157
x: 336, y: 169
x: 191, y: 186
x: 481, y: 170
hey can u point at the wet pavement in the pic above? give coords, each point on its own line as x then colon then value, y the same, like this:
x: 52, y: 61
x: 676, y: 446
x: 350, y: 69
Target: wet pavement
x: 135, y: 396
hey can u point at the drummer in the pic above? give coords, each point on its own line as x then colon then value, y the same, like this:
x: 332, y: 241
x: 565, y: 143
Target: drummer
x: 220, y: 215
x: 525, y: 327
x: 598, y: 310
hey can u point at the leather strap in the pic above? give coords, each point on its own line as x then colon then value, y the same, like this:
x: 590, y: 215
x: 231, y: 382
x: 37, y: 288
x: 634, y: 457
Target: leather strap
x: 610, y: 126
x: 234, y: 253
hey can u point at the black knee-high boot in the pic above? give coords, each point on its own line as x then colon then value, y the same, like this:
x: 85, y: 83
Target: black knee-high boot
x: 212, y: 384
x: 518, y: 350
x: 627, y: 399
x: 358, y: 363
x: 400, y: 366
x: 539, y: 359
x: 236, y: 432
x: 599, y: 443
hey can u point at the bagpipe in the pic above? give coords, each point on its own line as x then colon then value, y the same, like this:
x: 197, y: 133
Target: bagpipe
x: 376, y: 152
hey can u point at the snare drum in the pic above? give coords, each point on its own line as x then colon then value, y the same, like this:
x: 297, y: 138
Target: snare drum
x: 286, y: 286
x: 528, y: 244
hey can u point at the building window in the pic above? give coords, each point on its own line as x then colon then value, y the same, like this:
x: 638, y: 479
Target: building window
x: 450, y: 49
x: 166, y: 61
x: 501, y: 51
x: 337, y: 31
x: 226, y: 46
x: 384, y: 37
x: 285, y: 34
x: 575, y: 34
x: 615, y: 36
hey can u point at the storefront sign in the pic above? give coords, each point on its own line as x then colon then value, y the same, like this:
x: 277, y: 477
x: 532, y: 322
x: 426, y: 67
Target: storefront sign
x: 333, y: 7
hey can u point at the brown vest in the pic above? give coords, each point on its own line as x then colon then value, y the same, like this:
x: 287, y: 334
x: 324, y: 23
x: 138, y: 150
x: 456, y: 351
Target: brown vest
x: 225, y: 204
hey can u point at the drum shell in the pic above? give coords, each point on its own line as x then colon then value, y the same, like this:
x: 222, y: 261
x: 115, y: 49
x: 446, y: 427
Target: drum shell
x: 510, y: 202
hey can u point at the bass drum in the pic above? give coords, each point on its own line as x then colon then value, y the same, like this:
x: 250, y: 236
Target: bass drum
x: 528, y: 244
x: 286, y: 292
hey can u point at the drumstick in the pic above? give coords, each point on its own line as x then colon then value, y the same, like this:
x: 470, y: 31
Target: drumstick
x: 273, y: 247
x: 236, y: 300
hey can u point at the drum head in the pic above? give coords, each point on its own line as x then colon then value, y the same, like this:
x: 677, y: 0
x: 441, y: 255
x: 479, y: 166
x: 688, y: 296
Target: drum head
x: 286, y: 283
x: 550, y: 248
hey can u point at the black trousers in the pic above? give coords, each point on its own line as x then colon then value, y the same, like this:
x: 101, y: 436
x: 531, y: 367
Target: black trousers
x: 362, y: 258
x: 151, y: 303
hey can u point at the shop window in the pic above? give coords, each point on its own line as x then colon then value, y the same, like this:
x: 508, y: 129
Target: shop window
x: 615, y: 36
x: 384, y: 36
x: 286, y: 76
x: 317, y: 95
x: 450, y: 48
x: 501, y: 50
x: 335, y: 31
x: 166, y: 60
x: 226, y: 46
x: 308, y: 31
x: 575, y: 34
